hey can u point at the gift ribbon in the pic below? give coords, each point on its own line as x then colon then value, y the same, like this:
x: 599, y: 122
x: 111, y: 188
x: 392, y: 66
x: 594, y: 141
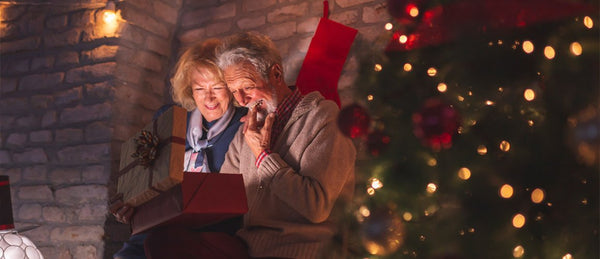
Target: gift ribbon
x: 162, y: 143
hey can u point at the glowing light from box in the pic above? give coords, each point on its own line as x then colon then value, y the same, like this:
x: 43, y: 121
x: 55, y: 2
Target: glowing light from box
x: 518, y: 220
x: 537, y: 195
x: 549, y: 52
x: 464, y: 173
x: 528, y: 46
x: 506, y: 191
x: 529, y: 95
x: 518, y: 251
x: 576, y: 48
x: 588, y: 22
x: 442, y: 87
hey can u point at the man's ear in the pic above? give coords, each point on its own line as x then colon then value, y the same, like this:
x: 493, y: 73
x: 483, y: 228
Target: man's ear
x: 276, y: 73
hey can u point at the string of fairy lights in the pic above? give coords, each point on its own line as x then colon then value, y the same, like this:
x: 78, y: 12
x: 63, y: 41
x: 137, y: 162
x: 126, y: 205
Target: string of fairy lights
x: 506, y: 191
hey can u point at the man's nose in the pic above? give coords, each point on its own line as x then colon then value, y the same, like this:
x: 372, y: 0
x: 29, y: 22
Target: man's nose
x: 242, y: 97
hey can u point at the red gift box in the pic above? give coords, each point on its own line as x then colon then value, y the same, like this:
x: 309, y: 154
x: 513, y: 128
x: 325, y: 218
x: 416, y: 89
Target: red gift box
x: 201, y: 199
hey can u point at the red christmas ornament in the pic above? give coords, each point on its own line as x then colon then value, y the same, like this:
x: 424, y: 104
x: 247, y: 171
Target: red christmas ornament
x: 354, y: 121
x: 436, y: 124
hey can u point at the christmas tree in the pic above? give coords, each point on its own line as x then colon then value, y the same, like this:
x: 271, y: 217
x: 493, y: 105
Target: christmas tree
x: 479, y: 133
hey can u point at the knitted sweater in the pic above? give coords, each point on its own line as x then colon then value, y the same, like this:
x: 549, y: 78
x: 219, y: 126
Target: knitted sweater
x: 292, y: 195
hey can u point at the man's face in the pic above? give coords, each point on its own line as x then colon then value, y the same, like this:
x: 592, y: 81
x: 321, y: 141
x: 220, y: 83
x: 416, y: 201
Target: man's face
x: 250, y: 89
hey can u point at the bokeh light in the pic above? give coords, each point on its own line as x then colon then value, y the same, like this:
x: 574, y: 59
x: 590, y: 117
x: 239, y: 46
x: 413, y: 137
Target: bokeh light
x: 464, y: 173
x: 529, y: 94
x: 528, y: 46
x: 442, y: 87
x: 506, y: 191
x: 549, y: 52
x: 431, y: 187
x: 389, y: 26
x: 504, y: 146
x: 407, y: 67
x: 576, y: 48
x: 377, y: 67
x: 402, y: 39
x: 482, y: 150
x: 432, y: 71
x: 588, y: 22
x: 518, y: 221
x: 518, y: 251
x: 537, y: 195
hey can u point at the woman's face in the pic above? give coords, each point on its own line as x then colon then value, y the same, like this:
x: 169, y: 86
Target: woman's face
x: 211, y: 95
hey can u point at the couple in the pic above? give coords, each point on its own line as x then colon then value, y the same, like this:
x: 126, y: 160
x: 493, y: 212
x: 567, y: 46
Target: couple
x: 295, y: 162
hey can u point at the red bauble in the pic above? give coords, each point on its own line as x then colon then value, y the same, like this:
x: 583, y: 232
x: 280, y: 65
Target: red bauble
x: 354, y: 121
x: 436, y: 123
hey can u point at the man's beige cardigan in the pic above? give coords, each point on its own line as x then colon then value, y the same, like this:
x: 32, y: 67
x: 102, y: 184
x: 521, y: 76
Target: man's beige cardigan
x: 291, y: 196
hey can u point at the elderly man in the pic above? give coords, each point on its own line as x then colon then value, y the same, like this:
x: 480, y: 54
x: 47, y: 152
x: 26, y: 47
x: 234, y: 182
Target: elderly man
x: 297, y: 165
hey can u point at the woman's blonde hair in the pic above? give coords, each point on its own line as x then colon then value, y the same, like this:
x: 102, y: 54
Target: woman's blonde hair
x: 199, y: 56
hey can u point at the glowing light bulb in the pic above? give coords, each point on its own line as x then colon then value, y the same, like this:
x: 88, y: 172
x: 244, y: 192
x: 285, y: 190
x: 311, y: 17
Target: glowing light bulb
x: 389, y: 26
x: 413, y: 11
x: 377, y: 67
x: 537, y: 196
x: 431, y: 71
x: 407, y: 216
x: 370, y: 97
x: 407, y: 67
x: 464, y: 173
x: 530, y: 123
x: 376, y: 183
x: 489, y: 103
x: 506, y: 191
x: 504, y: 146
x: 588, y: 22
x: 528, y: 46
x: 402, y: 39
x: 518, y: 221
x: 109, y: 17
x: 576, y: 48
x: 549, y: 52
x: 529, y: 95
x: 482, y: 150
x: 431, y: 188
x: 364, y: 211
x: 567, y: 256
x: 518, y: 251
x: 442, y: 87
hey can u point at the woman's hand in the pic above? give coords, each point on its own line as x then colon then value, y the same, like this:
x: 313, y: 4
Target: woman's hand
x: 258, y: 138
x: 120, y: 210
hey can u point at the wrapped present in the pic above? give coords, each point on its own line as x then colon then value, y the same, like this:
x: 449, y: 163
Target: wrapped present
x: 152, y: 160
x: 200, y: 200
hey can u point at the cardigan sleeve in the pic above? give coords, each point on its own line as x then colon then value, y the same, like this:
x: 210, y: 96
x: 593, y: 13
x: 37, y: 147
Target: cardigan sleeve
x: 326, y: 166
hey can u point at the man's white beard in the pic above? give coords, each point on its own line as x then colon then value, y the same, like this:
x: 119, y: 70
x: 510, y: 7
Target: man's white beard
x: 264, y: 109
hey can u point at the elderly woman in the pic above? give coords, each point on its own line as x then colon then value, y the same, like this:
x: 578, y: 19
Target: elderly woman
x: 213, y: 120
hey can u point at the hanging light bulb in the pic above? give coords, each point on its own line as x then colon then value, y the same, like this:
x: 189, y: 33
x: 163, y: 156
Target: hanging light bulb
x: 110, y: 16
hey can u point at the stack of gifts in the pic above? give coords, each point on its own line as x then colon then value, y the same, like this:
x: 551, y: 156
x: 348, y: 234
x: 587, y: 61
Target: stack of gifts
x: 151, y: 179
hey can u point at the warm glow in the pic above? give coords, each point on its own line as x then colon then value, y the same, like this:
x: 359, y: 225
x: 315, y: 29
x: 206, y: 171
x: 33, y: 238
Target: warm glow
x: 442, y: 87
x: 460, y: 98
x: 407, y: 67
x: 530, y: 123
x: 527, y: 46
x: 464, y: 173
x: 529, y: 94
x: 375, y: 183
x: 431, y: 71
x: 389, y: 26
x: 482, y: 150
x: 407, y: 216
x: 413, y: 11
x: 537, y: 195
x: 518, y: 251
x: 431, y: 188
x: 364, y: 211
x: 377, y: 67
x: 549, y: 52
x: 370, y: 97
x: 431, y: 162
x: 588, y: 22
x: 518, y: 221
x: 109, y: 17
x: 504, y: 146
x: 489, y: 102
x: 567, y: 256
x: 402, y: 39
x: 576, y: 48
x: 506, y: 191
x: 370, y: 191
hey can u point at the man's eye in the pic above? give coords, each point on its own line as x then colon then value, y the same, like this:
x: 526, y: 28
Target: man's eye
x: 249, y: 88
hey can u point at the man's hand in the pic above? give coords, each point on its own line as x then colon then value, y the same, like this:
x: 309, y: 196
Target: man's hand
x: 120, y: 210
x: 258, y: 139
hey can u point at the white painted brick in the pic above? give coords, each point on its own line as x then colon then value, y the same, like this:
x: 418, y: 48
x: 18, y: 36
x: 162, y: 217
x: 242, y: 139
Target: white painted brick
x: 348, y: 3
x: 85, y: 113
x: 41, y: 102
x: 30, y: 211
x: 80, y: 194
x: 89, y: 212
x: 86, y: 251
x: 36, y: 155
x: 69, y: 135
x: 95, y: 174
x: 35, y: 173
x: 254, y: 5
x: 65, y: 176
x: 16, y: 139
x: 86, y: 73
x: 280, y: 31
x: 375, y: 14
x: 287, y: 13
x: 251, y: 22
x: 36, y: 192
x: 309, y: 25
x: 41, y: 136
x: 84, y: 154
x: 218, y: 28
x: 348, y: 17
x: 77, y: 234
x: 54, y: 214
x: 49, y: 119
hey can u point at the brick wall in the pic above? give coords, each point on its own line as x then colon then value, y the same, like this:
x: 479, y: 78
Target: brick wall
x: 71, y: 91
